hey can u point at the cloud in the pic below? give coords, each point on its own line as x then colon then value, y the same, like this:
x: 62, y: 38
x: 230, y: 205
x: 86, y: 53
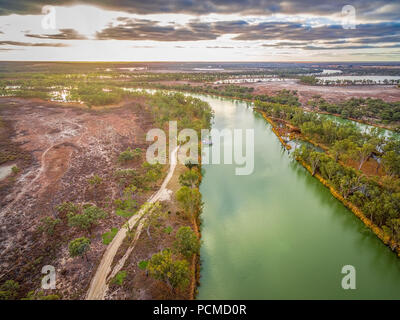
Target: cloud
x: 29, y: 44
x: 382, y: 31
x: 357, y: 46
x: 64, y: 34
x: 140, y: 29
x: 220, y: 47
x: 284, y: 44
x: 289, y: 34
x: 366, y: 9
x: 297, y: 31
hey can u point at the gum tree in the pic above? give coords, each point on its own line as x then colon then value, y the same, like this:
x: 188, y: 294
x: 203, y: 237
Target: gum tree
x: 175, y: 273
x: 186, y: 242
x: 79, y: 247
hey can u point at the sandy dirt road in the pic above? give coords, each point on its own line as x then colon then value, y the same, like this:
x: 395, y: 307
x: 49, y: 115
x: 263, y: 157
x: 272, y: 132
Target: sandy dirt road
x: 98, y: 286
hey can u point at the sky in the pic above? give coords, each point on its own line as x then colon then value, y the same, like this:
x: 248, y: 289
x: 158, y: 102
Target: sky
x: 201, y: 30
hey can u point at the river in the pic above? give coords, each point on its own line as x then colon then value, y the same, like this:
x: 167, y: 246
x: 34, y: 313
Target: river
x: 278, y: 233
x: 366, y: 128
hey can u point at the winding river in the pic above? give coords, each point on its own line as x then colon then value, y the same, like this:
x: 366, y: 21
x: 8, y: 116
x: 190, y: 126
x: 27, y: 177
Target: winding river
x: 278, y: 233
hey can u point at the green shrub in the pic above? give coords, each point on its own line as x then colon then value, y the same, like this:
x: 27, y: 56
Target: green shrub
x: 153, y: 171
x: 48, y: 225
x: 119, y: 278
x: 168, y: 230
x: 130, y: 154
x: 143, y: 264
x: 95, y: 180
x: 186, y: 242
x: 9, y: 290
x: 79, y: 246
x: 67, y: 207
x: 15, y: 170
x: 86, y: 220
x: 40, y: 296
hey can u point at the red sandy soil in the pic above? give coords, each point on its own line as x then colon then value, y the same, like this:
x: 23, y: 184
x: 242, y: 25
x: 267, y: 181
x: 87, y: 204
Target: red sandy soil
x: 66, y: 145
x: 369, y: 168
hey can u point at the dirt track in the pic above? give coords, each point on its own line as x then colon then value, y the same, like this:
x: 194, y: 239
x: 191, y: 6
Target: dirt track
x: 98, y: 285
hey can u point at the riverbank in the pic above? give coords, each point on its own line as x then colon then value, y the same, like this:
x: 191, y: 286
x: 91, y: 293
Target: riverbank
x: 74, y: 136
x: 274, y: 129
x: 357, y: 212
x: 391, y: 243
x: 196, y: 224
x: 256, y: 228
x: 302, y: 100
x: 196, y: 263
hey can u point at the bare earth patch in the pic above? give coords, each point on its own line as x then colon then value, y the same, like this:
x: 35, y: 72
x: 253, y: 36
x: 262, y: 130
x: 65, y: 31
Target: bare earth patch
x: 329, y: 93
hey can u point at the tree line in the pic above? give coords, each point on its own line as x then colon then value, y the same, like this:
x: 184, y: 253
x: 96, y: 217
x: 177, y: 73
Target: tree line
x: 377, y: 196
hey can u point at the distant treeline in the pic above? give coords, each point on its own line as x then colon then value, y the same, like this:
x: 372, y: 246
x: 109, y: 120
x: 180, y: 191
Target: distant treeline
x: 312, y: 80
x: 374, y: 110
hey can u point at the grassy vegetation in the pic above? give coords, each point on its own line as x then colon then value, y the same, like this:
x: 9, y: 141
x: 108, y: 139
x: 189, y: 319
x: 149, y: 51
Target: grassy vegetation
x: 48, y: 225
x: 9, y: 290
x: 130, y: 154
x: 143, y: 264
x: 79, y: 247
x: 119, y: 278
x: 310, y: 80
x: 168, y: 230
x: 15, y: 170
x: 109, y: 236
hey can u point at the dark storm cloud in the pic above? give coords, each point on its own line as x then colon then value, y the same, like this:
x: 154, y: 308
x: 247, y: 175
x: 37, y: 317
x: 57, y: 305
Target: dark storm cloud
x: 150, y: 30
x: 359, y: 43
x: 28, y: 44
x: 289, y: 34
x: 297, y: 31
x: 383, y: 39
x: 64, y: 34
x: 371, y: 9
x: 284, y: 44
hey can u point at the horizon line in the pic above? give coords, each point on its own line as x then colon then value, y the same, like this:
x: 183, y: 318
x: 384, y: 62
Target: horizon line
x: 200, y: 61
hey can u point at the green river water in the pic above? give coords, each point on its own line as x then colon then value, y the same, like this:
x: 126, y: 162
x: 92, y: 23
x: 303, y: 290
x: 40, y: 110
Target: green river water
x: 279, y: 233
